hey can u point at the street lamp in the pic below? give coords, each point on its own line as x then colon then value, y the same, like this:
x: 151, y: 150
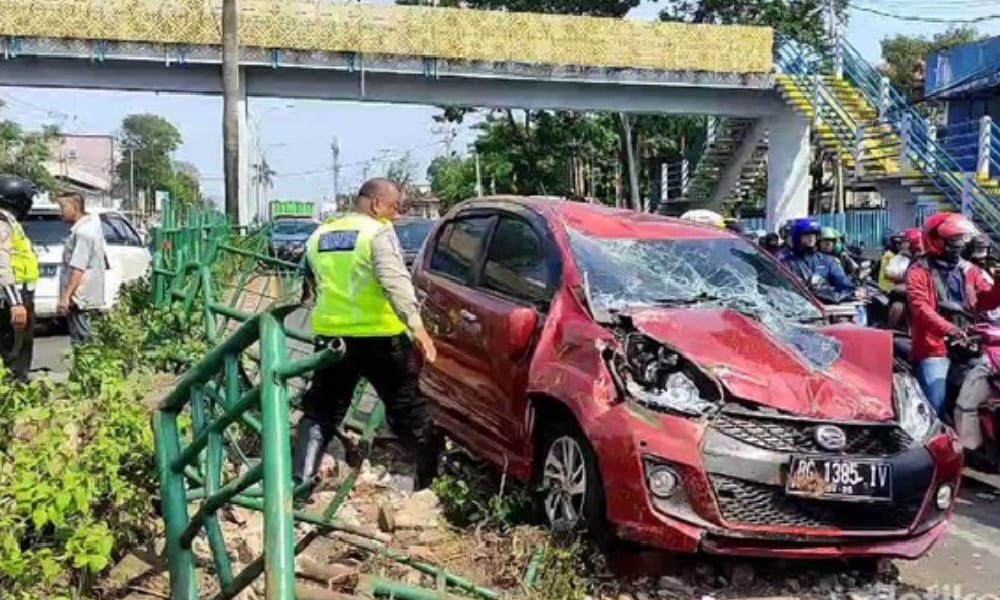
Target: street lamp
x: 255, y: 123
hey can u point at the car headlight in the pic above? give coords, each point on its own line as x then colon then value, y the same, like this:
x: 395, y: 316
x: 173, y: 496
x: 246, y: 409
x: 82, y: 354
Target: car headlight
x: 679, y: 394
x: 914, y: 413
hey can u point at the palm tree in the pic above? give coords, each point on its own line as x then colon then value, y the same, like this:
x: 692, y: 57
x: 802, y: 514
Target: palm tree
x: 263, y: 180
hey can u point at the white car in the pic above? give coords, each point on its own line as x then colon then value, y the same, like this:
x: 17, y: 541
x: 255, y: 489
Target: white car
x: 127, y: 257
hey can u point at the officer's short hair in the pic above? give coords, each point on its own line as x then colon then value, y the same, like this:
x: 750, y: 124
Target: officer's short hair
x: 74, y: 197
x: 373, y: 186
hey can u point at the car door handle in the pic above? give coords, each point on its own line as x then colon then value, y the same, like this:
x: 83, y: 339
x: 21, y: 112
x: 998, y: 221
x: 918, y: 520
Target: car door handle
x: 467, y: 316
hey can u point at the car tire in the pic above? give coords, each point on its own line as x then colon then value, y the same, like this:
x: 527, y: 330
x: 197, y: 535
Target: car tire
x: 571, y: 490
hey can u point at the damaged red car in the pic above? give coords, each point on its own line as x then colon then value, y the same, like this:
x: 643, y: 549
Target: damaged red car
x: 671, y: 384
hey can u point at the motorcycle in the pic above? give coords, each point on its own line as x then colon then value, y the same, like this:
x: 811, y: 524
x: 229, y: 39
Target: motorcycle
x: 972, y: 403
x: 839, y: 307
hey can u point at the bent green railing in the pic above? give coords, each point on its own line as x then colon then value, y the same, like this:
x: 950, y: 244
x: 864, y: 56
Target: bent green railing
x: 245, y: 388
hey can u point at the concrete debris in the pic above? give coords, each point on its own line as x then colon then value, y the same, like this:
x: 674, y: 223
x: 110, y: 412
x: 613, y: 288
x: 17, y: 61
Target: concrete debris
x: 420, y: 511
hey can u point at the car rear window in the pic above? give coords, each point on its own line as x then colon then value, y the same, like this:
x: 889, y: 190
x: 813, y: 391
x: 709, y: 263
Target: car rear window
x: 45, y: 230
x: 412, y: 234
x: 458, y: 246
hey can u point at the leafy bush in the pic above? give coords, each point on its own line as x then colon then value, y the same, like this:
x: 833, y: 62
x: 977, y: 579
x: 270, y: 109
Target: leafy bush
x: 77, y: 468
x: 472, y: 501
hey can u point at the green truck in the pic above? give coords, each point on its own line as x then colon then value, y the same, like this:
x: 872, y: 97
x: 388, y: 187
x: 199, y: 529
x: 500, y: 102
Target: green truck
x: 292, y: 222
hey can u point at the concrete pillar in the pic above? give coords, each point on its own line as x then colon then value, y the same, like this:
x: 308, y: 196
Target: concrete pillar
x: 788, y: 178
x: 899, y: 204
x: 247, y: 208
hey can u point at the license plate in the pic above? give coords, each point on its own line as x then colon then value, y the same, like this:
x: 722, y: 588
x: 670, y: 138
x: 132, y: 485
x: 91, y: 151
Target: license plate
x: 840, y: 478
x: 47, y: 270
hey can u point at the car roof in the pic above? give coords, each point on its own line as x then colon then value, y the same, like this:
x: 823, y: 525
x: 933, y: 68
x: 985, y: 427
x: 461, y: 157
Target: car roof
x: 598, y: 220
x: 407, y: 220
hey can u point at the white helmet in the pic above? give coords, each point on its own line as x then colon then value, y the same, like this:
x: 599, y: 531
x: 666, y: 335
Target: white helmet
x: 705, y: 217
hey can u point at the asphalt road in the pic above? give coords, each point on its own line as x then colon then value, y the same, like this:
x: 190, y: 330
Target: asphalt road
x: 966, y: 563
x: 50, y: 355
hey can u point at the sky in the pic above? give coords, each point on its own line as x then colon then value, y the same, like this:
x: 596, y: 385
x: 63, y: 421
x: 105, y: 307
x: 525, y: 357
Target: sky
x: 296, y: 136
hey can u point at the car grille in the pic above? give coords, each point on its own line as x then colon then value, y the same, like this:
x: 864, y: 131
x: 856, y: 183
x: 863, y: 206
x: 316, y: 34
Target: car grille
x: 797, y: 436
x: 749, y: 503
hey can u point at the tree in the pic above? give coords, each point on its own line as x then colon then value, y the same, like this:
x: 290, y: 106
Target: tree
x: 184, y: 188
x: 904, y: 56
x: 147, y: 142
x: 452, y: 178
x: 402, y: 170
x: 25, y: 153
x: 801, y: 20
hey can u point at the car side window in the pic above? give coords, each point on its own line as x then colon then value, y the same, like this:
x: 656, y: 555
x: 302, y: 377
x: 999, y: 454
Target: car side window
x: 111, y: 233
x: 516, y: 264
x: 131, y: 235
x: 458, y: 245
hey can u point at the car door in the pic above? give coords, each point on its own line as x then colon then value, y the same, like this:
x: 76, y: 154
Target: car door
x: 521, y: 268
x: 444, y: 288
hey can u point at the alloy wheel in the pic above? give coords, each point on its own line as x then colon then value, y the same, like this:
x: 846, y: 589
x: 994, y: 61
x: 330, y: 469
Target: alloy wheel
x: 564, y: 479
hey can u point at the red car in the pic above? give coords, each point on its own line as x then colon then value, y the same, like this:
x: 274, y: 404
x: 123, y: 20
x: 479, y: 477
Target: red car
x: 671, y: 384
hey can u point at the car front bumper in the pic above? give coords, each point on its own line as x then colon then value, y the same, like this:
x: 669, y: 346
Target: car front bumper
x: 732, y: 499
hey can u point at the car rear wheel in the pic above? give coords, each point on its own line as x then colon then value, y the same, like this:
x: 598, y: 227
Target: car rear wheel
x: 572, y: 494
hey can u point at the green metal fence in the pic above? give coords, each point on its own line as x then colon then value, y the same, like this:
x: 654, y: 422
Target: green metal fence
x: 246, y: 387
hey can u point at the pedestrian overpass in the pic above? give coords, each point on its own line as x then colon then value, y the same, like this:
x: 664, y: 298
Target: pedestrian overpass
x: 315, y: 50
x: 775, y: 100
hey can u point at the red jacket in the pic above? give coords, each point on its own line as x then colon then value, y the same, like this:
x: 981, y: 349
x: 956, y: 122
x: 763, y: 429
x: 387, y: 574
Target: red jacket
x: 928, y: 328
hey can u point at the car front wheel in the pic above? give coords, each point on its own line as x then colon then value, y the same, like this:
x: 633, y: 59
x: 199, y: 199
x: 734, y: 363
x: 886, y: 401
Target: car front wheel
x: 572, y: 491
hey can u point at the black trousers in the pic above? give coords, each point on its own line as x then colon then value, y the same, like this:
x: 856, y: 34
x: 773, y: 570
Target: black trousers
x: 17, y: 347
x: 391, y: 366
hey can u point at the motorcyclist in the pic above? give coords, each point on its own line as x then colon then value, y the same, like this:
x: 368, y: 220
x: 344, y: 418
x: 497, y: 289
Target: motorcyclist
x: 831, y: 243
x: 806, y: 262
x: 771, y: 242
x: 909, y: 247
x: 941, y: 275
x: 890, y: 250
x: 979, y: 251
x: 705, y: 217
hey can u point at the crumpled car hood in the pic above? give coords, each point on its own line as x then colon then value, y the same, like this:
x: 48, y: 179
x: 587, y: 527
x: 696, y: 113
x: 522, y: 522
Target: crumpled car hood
x: 759, y: 364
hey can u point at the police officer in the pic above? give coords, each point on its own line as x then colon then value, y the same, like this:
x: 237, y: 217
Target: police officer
x: 18, y: 276
x: 364, y: 295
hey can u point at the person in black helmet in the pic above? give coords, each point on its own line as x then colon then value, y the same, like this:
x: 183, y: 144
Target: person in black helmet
x: 18, y: 276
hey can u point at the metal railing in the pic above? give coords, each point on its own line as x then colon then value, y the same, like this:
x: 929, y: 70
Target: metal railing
x: 239, y: 400
x: 899, y: 141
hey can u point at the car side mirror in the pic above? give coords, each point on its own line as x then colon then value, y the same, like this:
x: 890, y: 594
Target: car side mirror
x: 521, y: 324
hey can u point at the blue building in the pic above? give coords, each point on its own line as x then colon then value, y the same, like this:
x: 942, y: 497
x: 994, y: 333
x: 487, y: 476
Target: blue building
x: 967, y: 79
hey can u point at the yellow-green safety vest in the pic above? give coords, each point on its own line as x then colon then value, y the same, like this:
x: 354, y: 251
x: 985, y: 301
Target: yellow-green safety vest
x: 23, y: 259
x: 350, y: 301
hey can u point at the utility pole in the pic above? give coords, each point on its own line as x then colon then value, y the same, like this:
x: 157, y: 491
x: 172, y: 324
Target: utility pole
x: 335, y: 151
x: 479, y: 178
x: 230, y: 107
x: 633, y: 174
x: 131, y: 179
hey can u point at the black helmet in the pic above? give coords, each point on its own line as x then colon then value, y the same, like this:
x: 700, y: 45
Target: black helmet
x: 17, y: 194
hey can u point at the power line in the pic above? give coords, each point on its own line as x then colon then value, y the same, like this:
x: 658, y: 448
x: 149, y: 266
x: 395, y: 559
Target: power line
x: 920, y: 19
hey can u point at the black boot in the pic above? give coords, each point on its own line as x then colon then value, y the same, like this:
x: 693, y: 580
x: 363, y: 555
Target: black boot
x: 428, y: 457
x: 311, y: 439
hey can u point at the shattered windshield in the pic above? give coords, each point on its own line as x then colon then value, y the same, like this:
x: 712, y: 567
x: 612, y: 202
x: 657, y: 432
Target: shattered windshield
x: 665, y: 272
x: 725, y: 272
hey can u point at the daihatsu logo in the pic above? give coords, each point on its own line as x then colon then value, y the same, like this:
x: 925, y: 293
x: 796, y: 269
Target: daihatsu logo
x: 831, y: 437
